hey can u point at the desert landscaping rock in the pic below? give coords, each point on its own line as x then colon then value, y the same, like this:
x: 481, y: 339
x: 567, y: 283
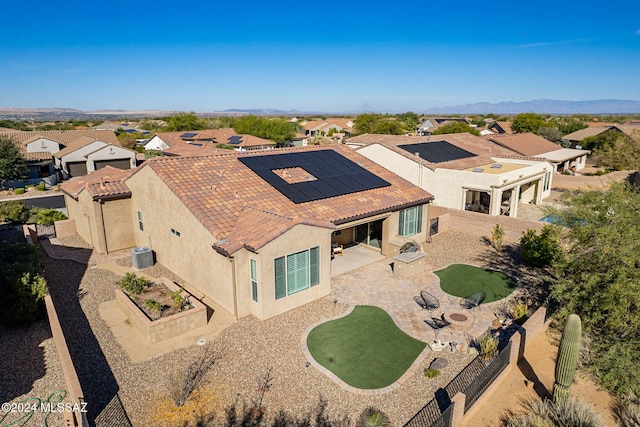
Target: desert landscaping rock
x: 439, y: 363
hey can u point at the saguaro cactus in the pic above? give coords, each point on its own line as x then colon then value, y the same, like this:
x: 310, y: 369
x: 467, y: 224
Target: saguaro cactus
x: 567, y: 357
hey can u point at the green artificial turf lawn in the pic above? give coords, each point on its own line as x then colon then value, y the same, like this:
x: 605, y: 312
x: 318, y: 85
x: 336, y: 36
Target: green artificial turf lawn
x: 365, y: 348
x: 463, y: 280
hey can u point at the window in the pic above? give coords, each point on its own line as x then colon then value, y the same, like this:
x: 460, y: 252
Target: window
x: 297, y: 272
x: 140, y: 225
x: 175, y: 232
x: 547, y: 179
x: 410, y: 222
x: 254, y: 280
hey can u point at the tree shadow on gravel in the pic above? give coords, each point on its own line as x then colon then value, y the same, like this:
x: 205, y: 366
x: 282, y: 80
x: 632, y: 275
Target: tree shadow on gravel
x: 22, y: 359
x: 94, y: 373
x: 534, y: 282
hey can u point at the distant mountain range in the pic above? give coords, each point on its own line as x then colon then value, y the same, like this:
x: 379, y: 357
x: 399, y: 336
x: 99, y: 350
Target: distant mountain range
x: 551, y: 106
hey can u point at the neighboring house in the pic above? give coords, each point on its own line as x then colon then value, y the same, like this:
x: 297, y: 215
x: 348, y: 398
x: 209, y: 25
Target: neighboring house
x: 430, y: 124
x: 530, y: 144
x: 500, y: 128
x: 172, y: 144
x: 252, y: 232
x: 40, y: 147
x: 575, y: 138
x: 86, y: 155
x: 164, y: 141
x: 462, y: 171
x: 319, y: 128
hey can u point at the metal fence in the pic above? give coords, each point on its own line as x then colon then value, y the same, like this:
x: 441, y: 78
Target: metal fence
x: 486, y: 377
x: 473, y: 380
x: 45, y: 231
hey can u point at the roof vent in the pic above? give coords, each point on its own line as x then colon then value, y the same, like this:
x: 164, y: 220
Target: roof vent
x: 496, y: 166
x: 478, y: 170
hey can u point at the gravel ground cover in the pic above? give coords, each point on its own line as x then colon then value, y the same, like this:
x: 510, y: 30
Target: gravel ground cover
x: 245, y: 351
x: 29, y: 369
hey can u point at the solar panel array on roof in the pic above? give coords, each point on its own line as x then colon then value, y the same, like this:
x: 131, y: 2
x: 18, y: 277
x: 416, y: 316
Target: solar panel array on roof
x: 188, y: 135
x: 235, y: 139
x: 437, y: 151
x: 336, y: 175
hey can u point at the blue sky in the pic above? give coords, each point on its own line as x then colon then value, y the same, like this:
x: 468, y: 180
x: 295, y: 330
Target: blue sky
x: 346, y: 56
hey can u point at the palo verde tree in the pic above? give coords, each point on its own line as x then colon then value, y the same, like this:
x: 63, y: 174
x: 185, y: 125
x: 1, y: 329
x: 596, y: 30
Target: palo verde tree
x: 12, y: 164
x: 598, y: 278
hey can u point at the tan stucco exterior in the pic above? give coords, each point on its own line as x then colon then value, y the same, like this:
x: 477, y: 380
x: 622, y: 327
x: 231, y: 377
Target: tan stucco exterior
x: 105, y: 224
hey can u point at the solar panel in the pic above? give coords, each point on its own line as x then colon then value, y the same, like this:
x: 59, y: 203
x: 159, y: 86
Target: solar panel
x: 235, y: 139
x: 437, y: 151
x: 336, y: 175
x: 188, y: 135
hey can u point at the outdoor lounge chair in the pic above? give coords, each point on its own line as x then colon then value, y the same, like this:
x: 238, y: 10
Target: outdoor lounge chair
x: 473, y: 300
x: 437, y: 324
x: 431, y: 302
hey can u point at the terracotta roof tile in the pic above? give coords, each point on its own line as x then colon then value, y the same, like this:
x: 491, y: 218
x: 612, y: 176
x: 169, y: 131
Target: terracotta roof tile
x: 527, y: 144
x: 233, y: 202
x: 105, y: 182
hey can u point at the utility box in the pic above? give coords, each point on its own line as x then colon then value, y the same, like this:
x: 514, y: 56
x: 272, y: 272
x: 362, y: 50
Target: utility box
x: 142, y: 257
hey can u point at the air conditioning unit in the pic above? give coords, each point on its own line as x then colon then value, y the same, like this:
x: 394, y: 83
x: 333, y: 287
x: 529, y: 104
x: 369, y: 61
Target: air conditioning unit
x: 142, y: 257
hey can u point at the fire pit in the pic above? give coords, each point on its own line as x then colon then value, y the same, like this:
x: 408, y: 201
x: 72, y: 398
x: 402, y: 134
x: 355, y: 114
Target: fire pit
x: 460, y: 321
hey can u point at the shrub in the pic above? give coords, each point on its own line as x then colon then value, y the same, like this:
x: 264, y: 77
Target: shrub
x: 431, y: 372
x: 570, y: 412
x: 540, y: 250
x: 488, y: 346
x: 627, y: 411
x: 519, y: 310
x: 45, y: 216
x: 154, y: 306
x: 188, y: 378
x: 373, y: 417
x: 497, y: 236
x: 18, y: 191
x: 132, y: 284
x: 24, y: 300
x: 41, y: 187
x: 13, y: 211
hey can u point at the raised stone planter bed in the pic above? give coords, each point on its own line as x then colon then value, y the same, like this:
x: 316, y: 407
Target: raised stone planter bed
x: 164, y: 327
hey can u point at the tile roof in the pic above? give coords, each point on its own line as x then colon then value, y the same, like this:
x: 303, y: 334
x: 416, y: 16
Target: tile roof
x: 581, y: 134
x: 505, y: 126
x: 37, y: 156
x: 75, y: 145
x: 234, y: 203
x: 483, y: 149
x: 527, y: 144
x: 65, y: 137
x: 107, y: 182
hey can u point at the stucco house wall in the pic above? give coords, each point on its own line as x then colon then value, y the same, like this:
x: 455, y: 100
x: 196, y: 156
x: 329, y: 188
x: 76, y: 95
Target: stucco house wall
x: 77, y: 211
x: 110, y: 153
x: 190, y: 255
x: 43, y: 144
x: 298, y: 238
x: 79, y: 154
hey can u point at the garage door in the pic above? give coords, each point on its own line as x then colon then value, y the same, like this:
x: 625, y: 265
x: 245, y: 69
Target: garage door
x: 120, y: 164
x: 77, y: 168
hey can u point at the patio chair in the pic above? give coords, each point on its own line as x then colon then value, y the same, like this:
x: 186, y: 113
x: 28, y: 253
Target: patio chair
x: 337, y: 249
x: 431, y: 302
x: 437, y: 324
x: 472, y: 302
